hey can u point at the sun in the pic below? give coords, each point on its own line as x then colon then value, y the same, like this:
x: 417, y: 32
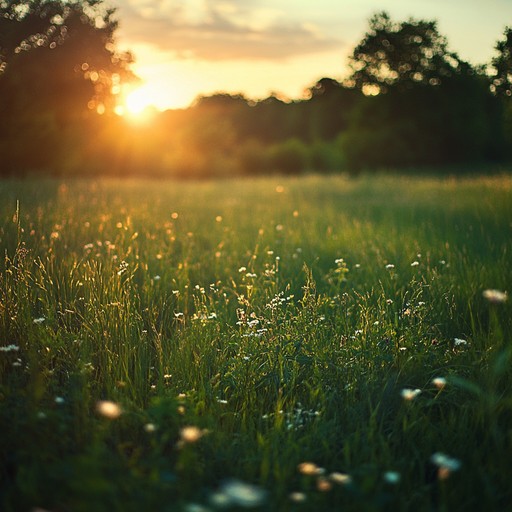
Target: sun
x: 137, y: 105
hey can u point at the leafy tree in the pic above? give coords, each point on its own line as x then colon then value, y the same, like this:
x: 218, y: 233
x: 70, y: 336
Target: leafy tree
x: 58, y: 62
x: 402, y: 55
x: 502, y: 64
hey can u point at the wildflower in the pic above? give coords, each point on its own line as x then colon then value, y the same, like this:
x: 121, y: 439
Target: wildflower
x: 191, y: 434
x: 39, y: 320
x: 59, y: 400
x: 439, y: 382
x: 108, y: 409
x: 323, y: 485
x: 297, y: 497
x: 308, y: 468
x: 390, y: 266
x: 149, y: 428
x: 495, y: 296
x: 458, y: 342
x: 156, y: 278
x: 243, y: 494
x: 242, y: 269
x: 415, y: 263
x: 410, y: 394
x: 446, y: 465
x: 392, y: 477
x: 220, y: 401
x: 340, y: 478
x: 179, y: 315
x: 9, y: 348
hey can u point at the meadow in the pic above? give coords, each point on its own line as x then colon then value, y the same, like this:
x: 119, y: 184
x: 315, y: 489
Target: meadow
x: 311, y: 344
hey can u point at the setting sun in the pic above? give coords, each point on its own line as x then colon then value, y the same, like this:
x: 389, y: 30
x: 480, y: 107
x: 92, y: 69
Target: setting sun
x: 137, y: 104
x: 137, y: 101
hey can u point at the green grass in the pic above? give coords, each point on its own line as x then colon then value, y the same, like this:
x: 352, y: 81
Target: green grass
x: 281, y: 317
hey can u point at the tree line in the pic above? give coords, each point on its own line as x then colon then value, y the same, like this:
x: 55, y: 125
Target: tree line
x: 409, y: 102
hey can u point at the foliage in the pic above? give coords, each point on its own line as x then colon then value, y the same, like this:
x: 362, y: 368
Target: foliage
x: 58, y: 63
x: 402, y: 55
x: 502, y: 64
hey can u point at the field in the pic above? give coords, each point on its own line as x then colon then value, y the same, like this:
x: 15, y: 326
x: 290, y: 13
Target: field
x: 310, y: 344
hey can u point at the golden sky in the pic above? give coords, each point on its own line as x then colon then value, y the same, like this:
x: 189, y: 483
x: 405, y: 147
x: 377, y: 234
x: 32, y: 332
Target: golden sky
x: 184, y: 48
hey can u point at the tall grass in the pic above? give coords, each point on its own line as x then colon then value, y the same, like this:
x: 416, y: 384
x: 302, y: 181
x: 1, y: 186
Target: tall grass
x: 286, y: 320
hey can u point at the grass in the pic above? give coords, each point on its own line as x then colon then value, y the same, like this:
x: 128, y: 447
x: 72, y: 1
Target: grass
x: 247, y: 327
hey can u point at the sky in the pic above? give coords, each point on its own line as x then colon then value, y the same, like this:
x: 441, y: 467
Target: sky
x: 187, y: 48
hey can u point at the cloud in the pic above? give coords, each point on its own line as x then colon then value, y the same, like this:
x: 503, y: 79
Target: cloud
x: 219, y: 30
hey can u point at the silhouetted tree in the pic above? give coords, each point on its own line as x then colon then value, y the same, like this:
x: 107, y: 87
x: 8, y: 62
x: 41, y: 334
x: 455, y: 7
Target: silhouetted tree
x: 401, y: 55
x: 502, y: 64
x: 429, y: 107
x: 58, y: 61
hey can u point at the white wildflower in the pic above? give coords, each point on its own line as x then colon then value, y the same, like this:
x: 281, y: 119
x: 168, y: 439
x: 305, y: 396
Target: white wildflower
x: 495, y: 296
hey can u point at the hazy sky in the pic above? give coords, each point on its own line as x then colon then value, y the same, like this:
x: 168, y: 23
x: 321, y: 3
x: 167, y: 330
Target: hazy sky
x: 184, y: 48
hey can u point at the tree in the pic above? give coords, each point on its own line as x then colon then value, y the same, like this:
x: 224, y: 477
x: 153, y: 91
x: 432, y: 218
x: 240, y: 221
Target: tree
x: 402, y: 55
x: 58, y: 65
x: 502, y: 64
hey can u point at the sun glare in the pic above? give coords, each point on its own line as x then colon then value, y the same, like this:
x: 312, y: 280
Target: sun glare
x: 137, y: 105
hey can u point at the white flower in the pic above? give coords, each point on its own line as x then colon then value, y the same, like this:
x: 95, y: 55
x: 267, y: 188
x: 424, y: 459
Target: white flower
x: 242, y: 494
x: 410, y: 394
x: 340, y: 478
x: 9, y: 348
x: 495, y: 296
x: 308, y: 468
x: 59, y: 400
x: 392, y: 477
x: 149, y: 428
x: 446, y: 465
x: 415, y: 263
x: 108, y: 409
x: 39, y: 320
x: 191, y: 434
x: 439, y: 382
x: 298, y: 497
x: 459, y: 342
x: 390, y: 266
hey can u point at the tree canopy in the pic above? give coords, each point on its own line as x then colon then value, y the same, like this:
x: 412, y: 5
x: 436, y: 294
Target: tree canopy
x: 401, y: 55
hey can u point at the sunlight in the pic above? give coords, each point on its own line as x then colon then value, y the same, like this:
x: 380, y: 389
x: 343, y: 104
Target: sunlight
x: 137, y: 101
x: 137, y: 105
